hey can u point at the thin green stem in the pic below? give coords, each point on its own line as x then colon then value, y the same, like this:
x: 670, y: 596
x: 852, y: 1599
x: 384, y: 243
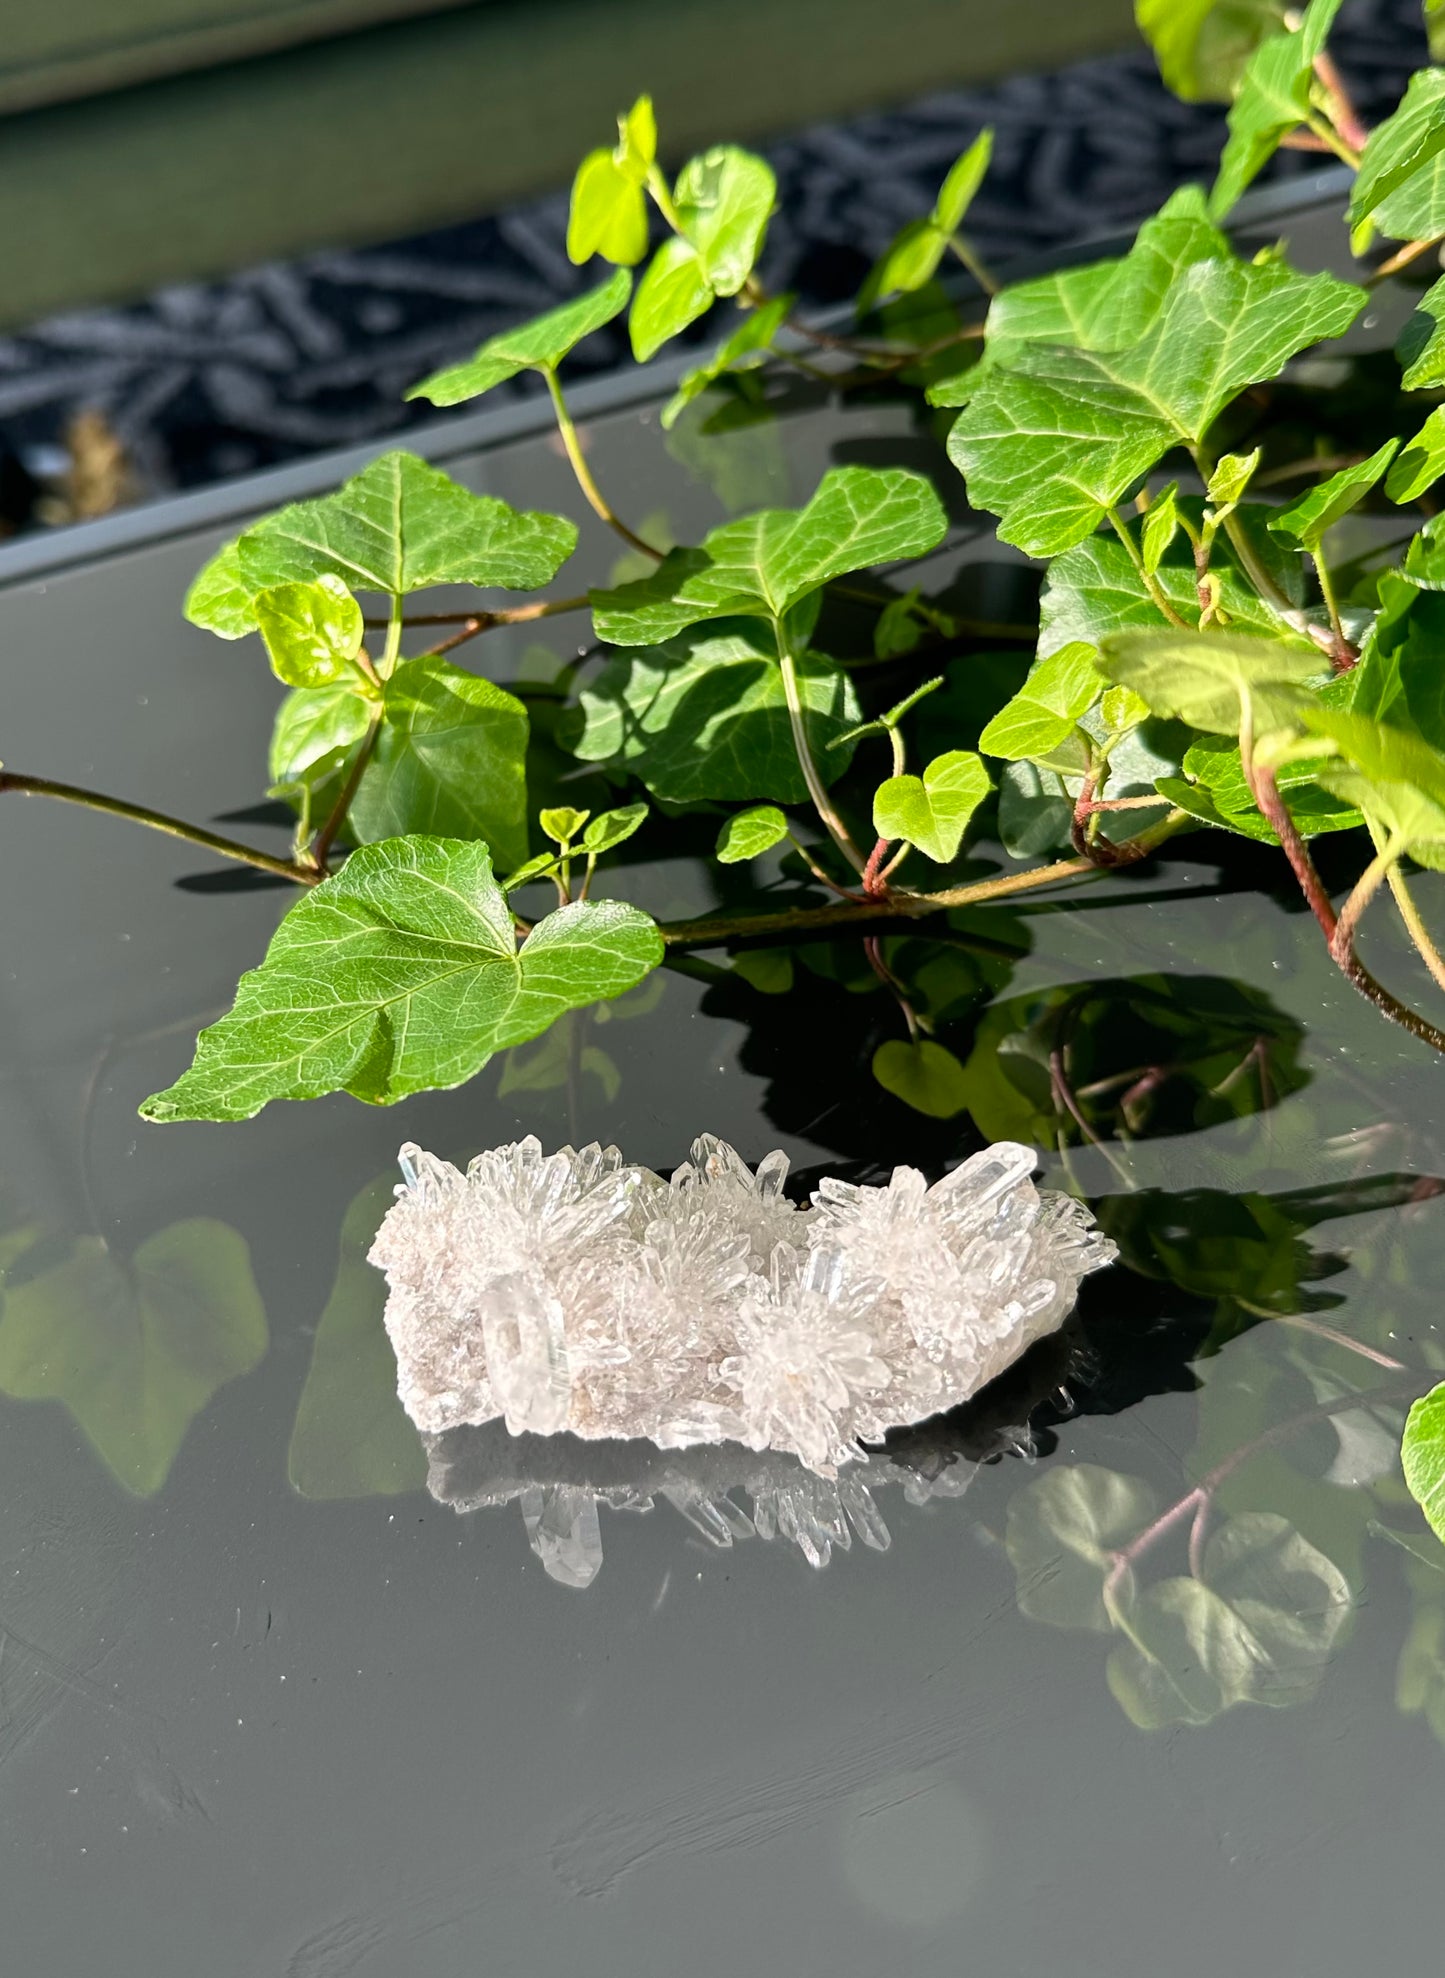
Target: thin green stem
x: 1150, y: 582
x: 797, y: 719
x: 1363, y: 891
x: 155, y: 820
x: 1327, y: 134
x: 963, y: 250
x: 1410, y: 913
x: 595, y: 497
x: 391, y: 651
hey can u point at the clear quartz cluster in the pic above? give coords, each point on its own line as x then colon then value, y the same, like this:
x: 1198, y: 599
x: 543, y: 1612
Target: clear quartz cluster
x: 572, y: 1291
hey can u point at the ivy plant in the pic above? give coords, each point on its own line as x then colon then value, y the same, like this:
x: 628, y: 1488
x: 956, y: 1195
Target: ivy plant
x: 1214, y: 650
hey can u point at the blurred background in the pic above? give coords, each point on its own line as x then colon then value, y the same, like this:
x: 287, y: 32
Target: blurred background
x: 233, y: 231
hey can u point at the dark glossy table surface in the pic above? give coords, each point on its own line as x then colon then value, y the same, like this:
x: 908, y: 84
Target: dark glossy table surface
x: 270, y: 1710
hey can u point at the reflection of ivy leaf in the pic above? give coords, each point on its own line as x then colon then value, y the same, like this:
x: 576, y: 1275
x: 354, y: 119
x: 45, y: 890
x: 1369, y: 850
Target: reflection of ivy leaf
x: 1142, y: 1054
x: 352, y: 1437
x: 1063, y: 1532
x: 1258, y: 1626
x: 135, y: 1350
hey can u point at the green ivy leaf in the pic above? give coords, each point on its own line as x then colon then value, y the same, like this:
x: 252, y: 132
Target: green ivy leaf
x: 563, y: 823
x: 705, y: 718
x: 1420, y: 346
x: 959, y: 189
x: 450, y: 757
x: 748, y: 346
x: 1056, y: 434
x: 220, y: 600
x: 312, y: 632
x: 747, y: 834
x: 1232, y: 475
x: 1202, y: 45
x: 764, y: 564
x: 540, y: 867
x: 1103, y: 305
x: 613, y: 828
x: 539, y: 345
x: 1213, y: 789
x: 1317, y: 510
x: 1421, y: 461
x: 396, y: 527
x: 608, y: 213
x: 1043, y: 715
x: 911, y: 260
x: 1435, y: 28
x: 1161, y: 526
x: 924, y: 1075
x: 1272, y: 99
x: 932, y: 810
x: 1390, y: 775
x: 352, y: 1437
x: 1203, y: 677
x: 1035, y: 810
x: 724, y: 198
x: 315, y: 728
x: 1400, y: 186
x: 673, y: 293
x: 451, y: 760
x: 401, y: 974
x: 908, y: 262
x: 1423, y: 1456
x: 135, y: 1350
x: 1095, y: 588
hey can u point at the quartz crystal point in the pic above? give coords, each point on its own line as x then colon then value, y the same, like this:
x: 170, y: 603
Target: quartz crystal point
x: 573, y: 1291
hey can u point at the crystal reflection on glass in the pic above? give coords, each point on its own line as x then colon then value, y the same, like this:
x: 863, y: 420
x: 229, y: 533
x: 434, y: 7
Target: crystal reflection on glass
x: 726, y: 1492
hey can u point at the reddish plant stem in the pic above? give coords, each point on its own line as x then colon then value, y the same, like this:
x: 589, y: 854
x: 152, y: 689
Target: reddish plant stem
x: 1346, y: 117
x: 1272, y: 809
x: 1097, y: 850
x: 875, y: 885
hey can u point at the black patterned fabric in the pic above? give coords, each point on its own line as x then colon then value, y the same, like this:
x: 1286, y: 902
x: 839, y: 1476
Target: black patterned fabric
x: 214, y: 379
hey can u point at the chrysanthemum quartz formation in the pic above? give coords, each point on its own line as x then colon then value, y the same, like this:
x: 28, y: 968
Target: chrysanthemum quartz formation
x: 574, y: 1291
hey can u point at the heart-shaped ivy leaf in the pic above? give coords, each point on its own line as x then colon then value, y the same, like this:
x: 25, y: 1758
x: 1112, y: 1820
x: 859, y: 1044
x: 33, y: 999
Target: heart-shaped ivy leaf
x: 536, y: 346
x: 1060, y: 689
x: 723, y: 199
x: 1086, y: 386
x: 747, y: 834
x: 763, y: 564
x: 397, y: 526
x: 706, y: 718
x: 312, y: 632
x: 450, y: 757
x: 932, y: 810
x: 402, y: 974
